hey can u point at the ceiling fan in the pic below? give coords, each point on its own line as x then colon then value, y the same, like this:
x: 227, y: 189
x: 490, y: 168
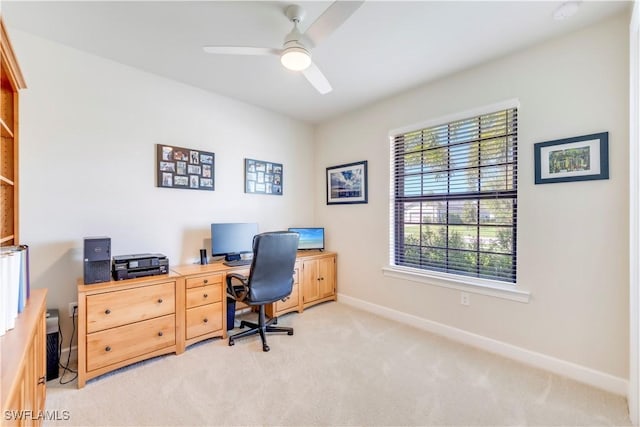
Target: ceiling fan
x: 295, y: 53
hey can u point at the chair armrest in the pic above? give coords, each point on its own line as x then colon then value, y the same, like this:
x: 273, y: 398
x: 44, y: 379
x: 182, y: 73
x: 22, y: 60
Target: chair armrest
x: 237, y: 288
x: 293, y: 273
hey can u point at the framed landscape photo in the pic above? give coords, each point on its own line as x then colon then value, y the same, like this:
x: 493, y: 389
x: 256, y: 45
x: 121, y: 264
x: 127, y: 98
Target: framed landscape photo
x: 581, y: 158
x: 262, y: 177
x: 179, y: 167
x: 347, y: 184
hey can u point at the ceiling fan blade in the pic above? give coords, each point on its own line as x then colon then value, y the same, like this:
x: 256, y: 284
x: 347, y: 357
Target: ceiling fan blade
x: 241, y: 50
x: 317, y: 79
x: 330, y: 20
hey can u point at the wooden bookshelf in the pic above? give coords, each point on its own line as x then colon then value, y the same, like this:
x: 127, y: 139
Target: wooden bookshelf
x: 11, y: 81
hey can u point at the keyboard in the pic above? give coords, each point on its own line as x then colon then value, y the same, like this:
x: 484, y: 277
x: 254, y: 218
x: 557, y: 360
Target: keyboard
x: 237, y: 263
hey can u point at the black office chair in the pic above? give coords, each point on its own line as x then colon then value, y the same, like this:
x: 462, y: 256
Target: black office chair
x: 270, y: 280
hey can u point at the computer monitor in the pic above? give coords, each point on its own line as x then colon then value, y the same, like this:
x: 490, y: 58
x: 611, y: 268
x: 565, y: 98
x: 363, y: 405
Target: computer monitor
x: 310, y: 237
x: 232, y: 239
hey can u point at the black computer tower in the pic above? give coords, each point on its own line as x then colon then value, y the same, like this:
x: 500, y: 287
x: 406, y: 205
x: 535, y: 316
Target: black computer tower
x: 97, y: 260
x: 53, y: 335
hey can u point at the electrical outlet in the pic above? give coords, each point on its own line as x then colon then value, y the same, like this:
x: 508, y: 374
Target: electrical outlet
x: 73, y: 308
x: 465, y: 299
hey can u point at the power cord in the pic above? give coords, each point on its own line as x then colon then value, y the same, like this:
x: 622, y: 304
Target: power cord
x: 66, y: 367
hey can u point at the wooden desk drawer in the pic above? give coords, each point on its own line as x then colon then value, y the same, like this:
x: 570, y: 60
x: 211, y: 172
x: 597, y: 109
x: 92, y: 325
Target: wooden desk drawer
x: 115, y: 345
x: 204, y: 319
x: 204, y: 295
x: 291, y: 302
x: 117, y: 308
x: 209, y: 279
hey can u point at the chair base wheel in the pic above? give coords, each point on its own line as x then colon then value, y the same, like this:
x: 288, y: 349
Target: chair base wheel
x: 262, y: 326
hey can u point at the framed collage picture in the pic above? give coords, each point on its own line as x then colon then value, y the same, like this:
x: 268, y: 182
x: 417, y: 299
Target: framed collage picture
x: 186, y: 168
x: 262, y: 177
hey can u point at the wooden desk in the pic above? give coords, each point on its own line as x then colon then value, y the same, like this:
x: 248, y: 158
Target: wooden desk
x: 314, y: 283
x: 127, y: 321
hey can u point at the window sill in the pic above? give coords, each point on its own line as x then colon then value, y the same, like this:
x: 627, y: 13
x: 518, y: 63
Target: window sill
x: 461, y: 283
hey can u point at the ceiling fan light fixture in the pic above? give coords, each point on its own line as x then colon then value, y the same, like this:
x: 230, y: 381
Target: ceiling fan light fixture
x: 296, y: 58
x: 566, y: 10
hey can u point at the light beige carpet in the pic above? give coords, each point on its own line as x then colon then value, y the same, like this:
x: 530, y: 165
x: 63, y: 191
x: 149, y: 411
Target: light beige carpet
x: 342, y: 367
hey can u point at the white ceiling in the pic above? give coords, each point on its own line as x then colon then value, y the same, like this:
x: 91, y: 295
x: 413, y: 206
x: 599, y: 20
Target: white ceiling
x: 384, y: 48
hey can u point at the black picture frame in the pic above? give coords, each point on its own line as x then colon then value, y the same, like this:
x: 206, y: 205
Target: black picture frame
x: 262, y: 177
x: 347, y: 184
x: 580, y: 158
x: 185, y: 168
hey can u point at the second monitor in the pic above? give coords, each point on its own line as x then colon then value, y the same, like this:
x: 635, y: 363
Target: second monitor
x: 311, y: 238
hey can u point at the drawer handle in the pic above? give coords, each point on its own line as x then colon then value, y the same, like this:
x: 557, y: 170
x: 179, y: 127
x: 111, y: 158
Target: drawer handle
x: 159, y: 300
x: 206, y: 320
x: 206, y: 295
x: 42, y: 380
x: 107, y: 311
x: 160, y: 334
x: 107, y: 348
x: 206, y: 281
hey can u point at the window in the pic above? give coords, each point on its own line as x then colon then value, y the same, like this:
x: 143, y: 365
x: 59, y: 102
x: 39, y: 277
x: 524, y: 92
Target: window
x: 454, y: 197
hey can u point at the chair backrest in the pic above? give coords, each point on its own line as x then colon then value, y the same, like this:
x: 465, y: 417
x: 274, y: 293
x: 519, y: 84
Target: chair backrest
x: 274, y: 257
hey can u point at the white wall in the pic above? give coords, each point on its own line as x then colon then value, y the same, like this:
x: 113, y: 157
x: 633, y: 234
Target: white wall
x: 572, y: 237
x: 87, y: 163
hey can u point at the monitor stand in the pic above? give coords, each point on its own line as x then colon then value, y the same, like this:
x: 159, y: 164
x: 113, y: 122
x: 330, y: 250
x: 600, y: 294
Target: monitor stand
x: 232, y: 257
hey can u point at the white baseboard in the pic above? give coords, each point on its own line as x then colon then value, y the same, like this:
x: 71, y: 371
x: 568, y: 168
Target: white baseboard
x: 65, y: 352
x: 564, y: 368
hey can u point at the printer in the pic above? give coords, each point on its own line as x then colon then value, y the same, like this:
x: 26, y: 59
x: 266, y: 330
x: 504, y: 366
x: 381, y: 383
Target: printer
x: 139, y: 265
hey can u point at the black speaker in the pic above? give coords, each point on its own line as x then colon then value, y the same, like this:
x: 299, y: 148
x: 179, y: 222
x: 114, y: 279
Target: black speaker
x: 97, y: 260
x: 53, y: 358
x: 203, y: 257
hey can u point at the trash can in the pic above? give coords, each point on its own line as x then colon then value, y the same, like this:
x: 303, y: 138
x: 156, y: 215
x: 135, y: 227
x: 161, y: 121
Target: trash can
x: 231, y: 313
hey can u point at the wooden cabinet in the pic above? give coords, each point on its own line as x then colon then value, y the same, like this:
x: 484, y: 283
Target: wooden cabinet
x: 123, y: 322
x: 205, y: 307
x: 23, y: 361
x: 318, y: 279
x: 11, y: 81
x: 293, y: 303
